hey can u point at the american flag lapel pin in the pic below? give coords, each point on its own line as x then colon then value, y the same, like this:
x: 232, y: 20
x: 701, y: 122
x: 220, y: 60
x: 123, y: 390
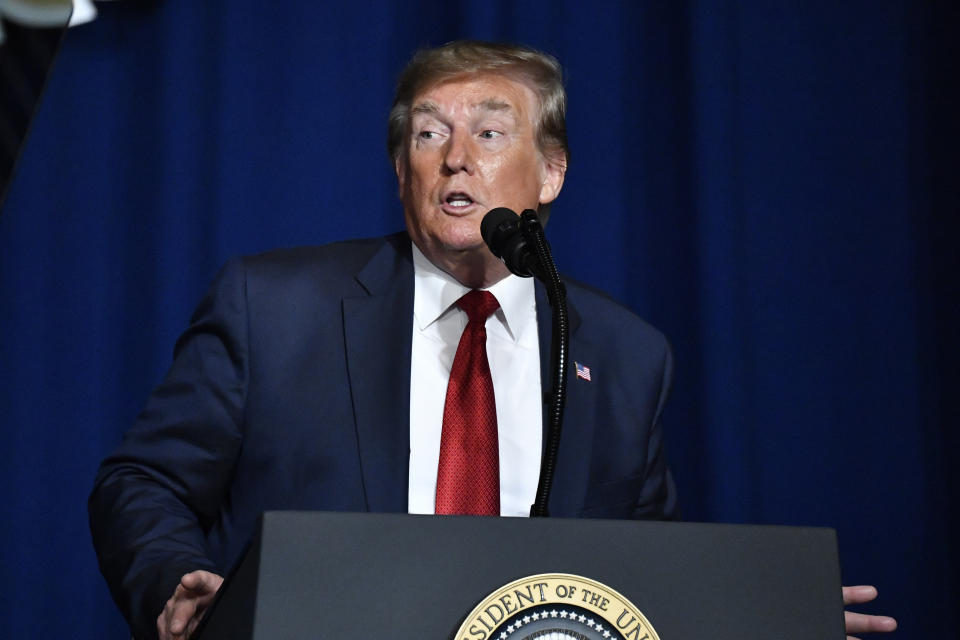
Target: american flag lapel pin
x: 583, y: 372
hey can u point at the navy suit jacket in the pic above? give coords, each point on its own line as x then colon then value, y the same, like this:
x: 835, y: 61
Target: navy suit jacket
x: 290, y: 390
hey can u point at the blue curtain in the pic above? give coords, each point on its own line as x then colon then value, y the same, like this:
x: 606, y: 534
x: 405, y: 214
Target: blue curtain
x: 773, y: 184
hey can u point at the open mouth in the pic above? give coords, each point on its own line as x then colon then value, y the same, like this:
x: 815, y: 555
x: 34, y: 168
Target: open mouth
x: 457, y: 200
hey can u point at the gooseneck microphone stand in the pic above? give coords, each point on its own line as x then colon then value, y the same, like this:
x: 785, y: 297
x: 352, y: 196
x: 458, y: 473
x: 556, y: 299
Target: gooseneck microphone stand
x: 556, y: 397
x: 519, y: 241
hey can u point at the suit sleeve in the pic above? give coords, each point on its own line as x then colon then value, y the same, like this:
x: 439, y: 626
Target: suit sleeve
x: 157, y: 494
x: 658, y: 495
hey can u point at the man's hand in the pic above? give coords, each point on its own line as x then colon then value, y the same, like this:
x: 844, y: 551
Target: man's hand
x: 186, y: 607
x: 862, y: 623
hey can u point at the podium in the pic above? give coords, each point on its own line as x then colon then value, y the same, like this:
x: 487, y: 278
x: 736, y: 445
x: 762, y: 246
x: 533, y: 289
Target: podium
x: 361, y: 575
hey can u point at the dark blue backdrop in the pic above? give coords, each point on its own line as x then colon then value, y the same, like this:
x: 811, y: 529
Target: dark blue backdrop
x: 772, y: 184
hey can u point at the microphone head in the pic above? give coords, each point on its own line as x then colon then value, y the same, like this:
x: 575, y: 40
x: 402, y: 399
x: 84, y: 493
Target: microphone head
x: 497, y: 226
x: 500, y: 229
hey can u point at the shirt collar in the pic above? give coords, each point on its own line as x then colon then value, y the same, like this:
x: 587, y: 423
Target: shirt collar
x: 436, y: 291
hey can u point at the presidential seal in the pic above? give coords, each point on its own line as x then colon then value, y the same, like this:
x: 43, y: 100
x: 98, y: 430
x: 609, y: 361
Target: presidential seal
x: 555, y: 606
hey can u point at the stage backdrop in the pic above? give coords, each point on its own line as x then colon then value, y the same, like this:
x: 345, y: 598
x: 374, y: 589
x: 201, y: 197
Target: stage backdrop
x: 770, y: 183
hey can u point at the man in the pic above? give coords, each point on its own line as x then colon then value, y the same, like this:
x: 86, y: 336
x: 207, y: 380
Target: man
x: 331, y: 378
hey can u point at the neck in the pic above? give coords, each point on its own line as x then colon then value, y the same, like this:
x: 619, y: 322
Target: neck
x: 476, y: 269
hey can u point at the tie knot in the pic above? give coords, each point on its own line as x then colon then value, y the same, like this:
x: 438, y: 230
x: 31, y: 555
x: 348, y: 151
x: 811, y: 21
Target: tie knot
x: 478, y: 305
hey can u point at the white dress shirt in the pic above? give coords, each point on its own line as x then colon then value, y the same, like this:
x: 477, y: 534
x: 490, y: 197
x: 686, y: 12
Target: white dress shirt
x: 514, y: 354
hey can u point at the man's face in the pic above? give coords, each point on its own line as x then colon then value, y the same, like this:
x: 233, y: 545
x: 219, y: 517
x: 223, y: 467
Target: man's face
x: 472, y: 148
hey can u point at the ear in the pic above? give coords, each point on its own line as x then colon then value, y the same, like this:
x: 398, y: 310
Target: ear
x: 400, y: 168
x: 553, y: 174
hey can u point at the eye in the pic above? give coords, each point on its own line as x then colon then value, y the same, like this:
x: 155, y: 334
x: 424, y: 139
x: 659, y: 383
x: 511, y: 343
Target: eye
x: 427, y: 135
x: 490, y: 134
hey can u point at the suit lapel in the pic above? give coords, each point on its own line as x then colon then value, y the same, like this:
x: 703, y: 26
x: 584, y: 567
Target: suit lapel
x: 377, y: 332
x: 576, y: 441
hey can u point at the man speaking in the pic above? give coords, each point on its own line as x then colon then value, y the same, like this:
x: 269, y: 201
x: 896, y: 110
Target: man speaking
x: 394, y: 374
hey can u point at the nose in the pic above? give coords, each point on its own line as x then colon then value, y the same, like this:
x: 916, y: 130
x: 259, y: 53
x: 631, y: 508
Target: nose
x: 459, y: 154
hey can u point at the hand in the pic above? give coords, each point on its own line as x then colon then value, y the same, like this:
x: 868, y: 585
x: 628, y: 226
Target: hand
x: 186, y: 607
x: 862, y: 623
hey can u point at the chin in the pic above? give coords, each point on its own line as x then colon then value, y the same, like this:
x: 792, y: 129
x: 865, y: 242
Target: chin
x: 461, y: 237
x: 463, y: 243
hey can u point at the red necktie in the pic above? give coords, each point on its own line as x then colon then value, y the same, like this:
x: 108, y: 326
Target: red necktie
x: 468, y: 477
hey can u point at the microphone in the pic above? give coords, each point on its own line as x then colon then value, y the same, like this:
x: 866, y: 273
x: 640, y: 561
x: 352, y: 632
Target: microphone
x: 520, y: 243
x: 501, y: 231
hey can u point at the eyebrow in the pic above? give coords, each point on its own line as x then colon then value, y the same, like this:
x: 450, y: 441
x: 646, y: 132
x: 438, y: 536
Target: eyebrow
x: 494, y: 104
x: 428, y: 108
x: 490, y: 104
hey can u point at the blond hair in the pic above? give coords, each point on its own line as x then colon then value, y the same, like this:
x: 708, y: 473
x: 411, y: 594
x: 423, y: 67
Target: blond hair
x: 539, y: 71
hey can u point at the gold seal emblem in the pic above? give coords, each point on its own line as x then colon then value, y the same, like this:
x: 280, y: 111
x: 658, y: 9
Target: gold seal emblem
x: 555, y: 606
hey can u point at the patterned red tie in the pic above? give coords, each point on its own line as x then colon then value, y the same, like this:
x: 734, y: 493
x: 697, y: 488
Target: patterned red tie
x: 468, y: 478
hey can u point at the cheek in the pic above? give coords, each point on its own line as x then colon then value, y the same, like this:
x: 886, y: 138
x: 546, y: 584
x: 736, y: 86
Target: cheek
x: 523, y: 177
x: 504, y: 172
x: 421, y: 174
x: 528, y: 166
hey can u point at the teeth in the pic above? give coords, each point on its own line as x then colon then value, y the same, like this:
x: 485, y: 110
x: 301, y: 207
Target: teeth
x: 459, y: 202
